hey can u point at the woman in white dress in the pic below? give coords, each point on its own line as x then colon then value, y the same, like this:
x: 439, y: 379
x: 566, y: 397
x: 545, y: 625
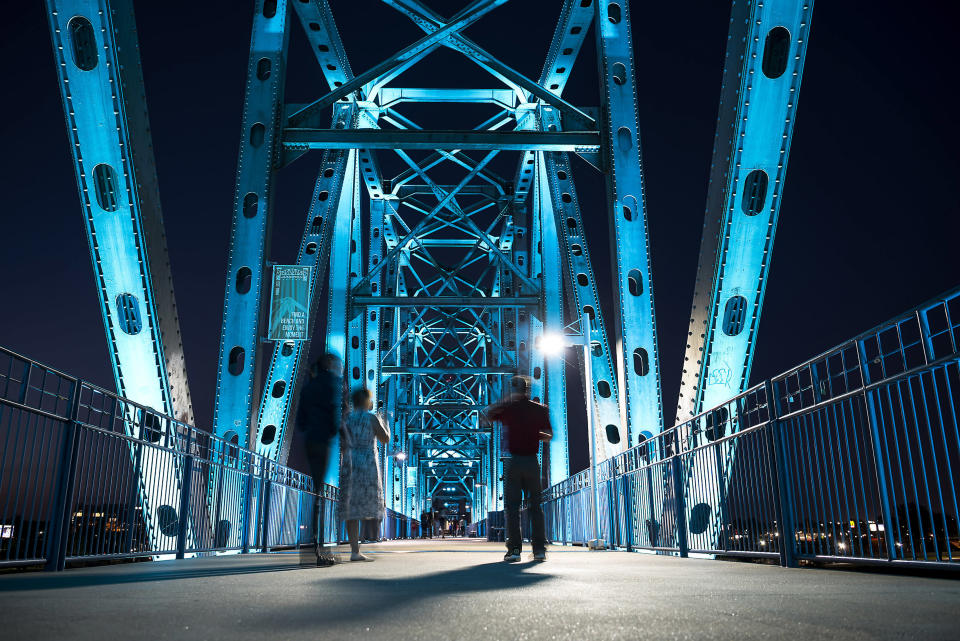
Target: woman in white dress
x: 361, y: 490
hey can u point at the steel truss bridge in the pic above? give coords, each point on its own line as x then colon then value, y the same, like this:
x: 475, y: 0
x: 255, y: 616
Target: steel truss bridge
x: 438, y: 258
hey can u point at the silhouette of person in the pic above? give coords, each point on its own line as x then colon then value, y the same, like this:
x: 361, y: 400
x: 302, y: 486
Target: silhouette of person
x: 318, y: 417
x: 525, y: 424
x: 361, y: 488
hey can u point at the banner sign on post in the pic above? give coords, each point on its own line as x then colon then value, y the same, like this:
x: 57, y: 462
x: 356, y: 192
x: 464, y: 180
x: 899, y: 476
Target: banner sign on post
x: 289, y: 303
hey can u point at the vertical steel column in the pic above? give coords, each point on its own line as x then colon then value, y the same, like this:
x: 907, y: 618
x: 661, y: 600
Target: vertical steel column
x: 638, y: 361
x: 339, y: 287
x: 101, y: 83
x: 766, y: 47
x: 585, y: 299
x: 239, y: 367
x: 551, y: 288
x: 279, y: 398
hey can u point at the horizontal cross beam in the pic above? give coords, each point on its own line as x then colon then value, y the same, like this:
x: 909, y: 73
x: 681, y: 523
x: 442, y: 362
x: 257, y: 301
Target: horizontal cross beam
x: 441, y: 407
x: 571, y: 141
x: 395, y: 370
x: 446, y: 301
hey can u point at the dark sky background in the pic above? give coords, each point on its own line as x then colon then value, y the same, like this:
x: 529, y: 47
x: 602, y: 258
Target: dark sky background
x: 867, y: 224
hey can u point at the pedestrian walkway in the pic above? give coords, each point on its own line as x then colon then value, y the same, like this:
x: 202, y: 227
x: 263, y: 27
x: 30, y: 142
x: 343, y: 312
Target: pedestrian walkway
x: 459, y: 589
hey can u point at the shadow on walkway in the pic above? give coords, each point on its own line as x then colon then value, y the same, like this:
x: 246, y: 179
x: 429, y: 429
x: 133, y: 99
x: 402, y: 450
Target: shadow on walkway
x: 368, y: 598
x: 144, y: 573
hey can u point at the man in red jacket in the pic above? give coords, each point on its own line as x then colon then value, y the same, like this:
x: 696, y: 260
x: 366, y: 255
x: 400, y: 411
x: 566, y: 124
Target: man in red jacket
x: 525, y: 424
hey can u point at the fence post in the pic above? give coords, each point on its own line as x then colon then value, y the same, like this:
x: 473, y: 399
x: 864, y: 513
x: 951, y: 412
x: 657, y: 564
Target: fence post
x: 265, y: 513
x: 66, y: 478
x: 879, y: 455
x: 185, y: 482
x: 680, y: 507
x: 788, y: 540
x: 627, y: 513
x: 247, y: 506
x: 614, y: 511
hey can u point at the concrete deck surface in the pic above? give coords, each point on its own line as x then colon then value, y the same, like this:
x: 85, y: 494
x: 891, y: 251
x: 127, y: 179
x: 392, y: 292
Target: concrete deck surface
x: 461, y: 590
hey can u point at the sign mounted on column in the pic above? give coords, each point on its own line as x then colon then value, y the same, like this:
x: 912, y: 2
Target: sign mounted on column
x: 289, y: 303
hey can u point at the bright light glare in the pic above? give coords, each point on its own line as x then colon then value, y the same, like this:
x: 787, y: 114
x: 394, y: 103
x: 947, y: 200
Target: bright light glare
x: 552, y: 343
x: 401, y: 456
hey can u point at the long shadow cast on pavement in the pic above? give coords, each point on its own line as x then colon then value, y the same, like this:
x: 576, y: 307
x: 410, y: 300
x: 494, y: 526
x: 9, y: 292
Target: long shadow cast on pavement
x: 143, y: 574
x: 337, y: 598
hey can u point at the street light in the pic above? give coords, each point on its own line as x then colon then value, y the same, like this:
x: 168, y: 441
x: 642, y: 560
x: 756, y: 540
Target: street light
x: 553, y: 344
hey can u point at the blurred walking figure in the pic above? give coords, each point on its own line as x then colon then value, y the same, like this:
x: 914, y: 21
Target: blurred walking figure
x: 525, y: 424
x: 318, y: 417
x: 361, y: 489
x: 426, y: 525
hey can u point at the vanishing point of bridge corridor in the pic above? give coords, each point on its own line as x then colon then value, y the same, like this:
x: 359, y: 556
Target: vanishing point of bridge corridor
x: 460, y: 590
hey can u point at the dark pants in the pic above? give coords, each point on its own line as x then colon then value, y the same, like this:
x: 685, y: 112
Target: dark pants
x: 318, y: 457
x: 522, y: 477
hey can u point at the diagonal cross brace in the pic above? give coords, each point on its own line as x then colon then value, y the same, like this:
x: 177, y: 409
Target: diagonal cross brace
x: 429, y: 21
x: 308, y: 115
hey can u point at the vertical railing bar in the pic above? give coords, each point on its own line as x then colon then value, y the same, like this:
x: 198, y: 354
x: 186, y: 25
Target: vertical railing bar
x: 811, y: 494
x: 64, y: 487
x: 946, y: 446
x: 185, y: 479
x: 678, y: 495
x: 923, y: 459
x: 24, y: 441
x: 896, y: 451
x: 830, y: 450
x: 39, y: 482
x: 909, y: 457
x: 844, y: 437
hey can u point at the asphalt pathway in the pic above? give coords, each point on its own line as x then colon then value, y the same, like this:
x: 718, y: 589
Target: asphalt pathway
x: 457, y: 589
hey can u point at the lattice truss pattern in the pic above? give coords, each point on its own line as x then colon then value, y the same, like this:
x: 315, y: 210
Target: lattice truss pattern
x: 441, y: 255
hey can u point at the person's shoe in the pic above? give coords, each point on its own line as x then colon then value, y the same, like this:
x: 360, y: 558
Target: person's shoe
x: 326, y: 560
x: 512, y: 556
x: 540, y: 555
x: 359, y: 557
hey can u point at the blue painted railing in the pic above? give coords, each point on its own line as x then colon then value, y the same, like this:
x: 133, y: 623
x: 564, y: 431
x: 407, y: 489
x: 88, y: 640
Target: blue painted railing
x: 70, y: 471
x: 853, y: 456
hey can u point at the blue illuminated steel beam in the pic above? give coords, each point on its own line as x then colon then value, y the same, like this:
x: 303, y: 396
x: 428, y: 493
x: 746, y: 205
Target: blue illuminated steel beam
x: 548, y: 263
x: 101, y: 83
x: 239, y: 366
x: 310, y: 114
x: 585, y: 300
x: 571, y: 30
x: 285, y: 373
x: 429, y: 21
x: 766, y: 48
x: 298, y: 140
x: 638, y: 361
x: 765, y: 52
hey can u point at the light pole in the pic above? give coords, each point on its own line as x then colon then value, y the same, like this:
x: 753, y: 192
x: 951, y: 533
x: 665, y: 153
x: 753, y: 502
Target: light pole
x: 554, y: 344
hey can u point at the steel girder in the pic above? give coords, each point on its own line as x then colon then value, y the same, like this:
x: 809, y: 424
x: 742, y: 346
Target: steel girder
x: 285, y: 373
x: 238, y: 372
x: 545, y: 247
x: 638, y: 361
x: 101, y: 82
x: 761, y: 84
x: 584, y: 298
x: 766, y: 48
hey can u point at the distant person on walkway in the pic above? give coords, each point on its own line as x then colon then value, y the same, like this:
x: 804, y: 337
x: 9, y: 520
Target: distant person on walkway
x: 361, y: 489
x: 525, y: 424
x: 426, y: 527
x: 318, y: 417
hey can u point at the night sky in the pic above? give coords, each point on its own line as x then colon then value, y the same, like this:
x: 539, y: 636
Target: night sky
x: 867, y: 225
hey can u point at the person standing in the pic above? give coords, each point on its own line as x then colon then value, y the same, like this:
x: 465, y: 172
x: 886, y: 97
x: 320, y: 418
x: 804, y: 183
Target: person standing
x: 318, y: 418
x: 426, y: 527
x: 361, y: 489
x: 525, y: 424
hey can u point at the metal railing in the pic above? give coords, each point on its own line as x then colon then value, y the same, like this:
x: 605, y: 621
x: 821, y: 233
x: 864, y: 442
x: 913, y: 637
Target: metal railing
x: 75, y: 458
x: 852, y: 456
